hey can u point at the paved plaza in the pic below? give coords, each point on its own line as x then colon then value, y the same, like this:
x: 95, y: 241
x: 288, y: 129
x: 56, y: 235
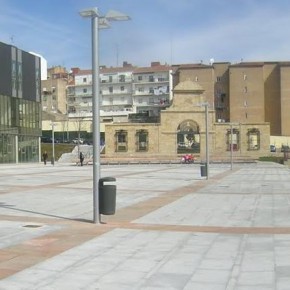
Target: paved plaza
x: 172, y: 230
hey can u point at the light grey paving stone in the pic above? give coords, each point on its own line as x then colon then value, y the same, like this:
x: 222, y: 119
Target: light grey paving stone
x: 211, y: 276
x: 258, y: 278
x: 258, y: 261
x: 204, y: 286
x: 282, y: 256
x: 282, y: 272
x: 283, y: 283
x: 259, y: 287
x: 16, y: 285
x: 174, y: 281
x: 217, y: 264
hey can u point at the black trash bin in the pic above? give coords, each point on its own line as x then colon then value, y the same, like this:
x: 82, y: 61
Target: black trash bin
x: 107, y: 196
x: 203, y: 169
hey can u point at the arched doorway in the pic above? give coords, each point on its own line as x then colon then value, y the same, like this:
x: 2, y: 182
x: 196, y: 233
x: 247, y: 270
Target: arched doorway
x: 188, y: 138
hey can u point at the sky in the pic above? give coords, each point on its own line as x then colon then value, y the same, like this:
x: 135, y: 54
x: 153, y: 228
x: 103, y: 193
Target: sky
x: 168, y: 31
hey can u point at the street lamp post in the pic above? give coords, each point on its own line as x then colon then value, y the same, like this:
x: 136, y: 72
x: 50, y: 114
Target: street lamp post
x: 206, y: 140
x: 231, y: 146
x: 52, y: 140
x: 98, y: 22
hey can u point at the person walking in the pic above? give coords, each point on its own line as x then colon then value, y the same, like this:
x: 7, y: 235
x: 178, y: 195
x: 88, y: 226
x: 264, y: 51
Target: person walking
x: 82, y: 157
x: 44, y: 156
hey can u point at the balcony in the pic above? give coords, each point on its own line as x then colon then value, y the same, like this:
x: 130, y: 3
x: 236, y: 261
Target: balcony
x: 116, y: 81
x: 150, y: 81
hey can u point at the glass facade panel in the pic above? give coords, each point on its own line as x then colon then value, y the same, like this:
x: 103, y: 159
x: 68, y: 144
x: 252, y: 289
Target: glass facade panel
x: 20, y: 118
x: 7, y: 148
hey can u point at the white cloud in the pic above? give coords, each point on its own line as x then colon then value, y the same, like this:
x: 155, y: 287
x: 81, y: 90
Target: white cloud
x: 160, y: 30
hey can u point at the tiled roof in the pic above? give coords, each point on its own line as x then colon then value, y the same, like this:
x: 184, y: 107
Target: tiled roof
x: 258, y: 63
x: 152, y: 69
x: 107, y: 70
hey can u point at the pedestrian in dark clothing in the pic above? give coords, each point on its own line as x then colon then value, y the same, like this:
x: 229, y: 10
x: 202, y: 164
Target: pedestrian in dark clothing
x: 82, y: 157
x: 44, y: 156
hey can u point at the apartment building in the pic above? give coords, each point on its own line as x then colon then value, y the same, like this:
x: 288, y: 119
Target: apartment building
x: 124, y: 91
x: 152, y: 89
x: 20, y: 105
x: 285, y: 98
x: 259, y: 93
x: 214, y: 79
x: 116, y: 93
x: 247, y: 92
x: 79, y: 93
x: 54, y: 98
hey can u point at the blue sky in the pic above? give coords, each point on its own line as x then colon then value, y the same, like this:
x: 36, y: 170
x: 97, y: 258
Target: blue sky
x: 169, y: 31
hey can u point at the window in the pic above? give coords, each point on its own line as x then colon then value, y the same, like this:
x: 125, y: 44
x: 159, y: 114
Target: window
x: 218, y: 79
x: 223, y: 96
x: 121, y: 78
x: 196, y: 78
x: 233, y: 139
x: 142, y: 140
x: 245, y: 77
x: 84, y: 80
x: 110, y: 89
x: 253, y: 139
x: 139, y: 78
x: 245, y: 90
x: 85, y: 91
x: 151, y: 79
x: 121, y: 141
x: 122, y: 88
x: 151, y: 90
x: 110, y: 79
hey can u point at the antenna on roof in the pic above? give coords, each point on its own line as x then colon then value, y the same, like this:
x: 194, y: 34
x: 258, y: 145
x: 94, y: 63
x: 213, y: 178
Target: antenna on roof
x: 117, y: 54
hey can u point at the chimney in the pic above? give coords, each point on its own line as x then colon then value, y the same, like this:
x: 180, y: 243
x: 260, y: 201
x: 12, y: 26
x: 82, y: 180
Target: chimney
x: 155, y: 63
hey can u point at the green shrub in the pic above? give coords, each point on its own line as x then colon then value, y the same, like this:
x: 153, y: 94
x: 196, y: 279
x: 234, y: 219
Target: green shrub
x: 277, y: 159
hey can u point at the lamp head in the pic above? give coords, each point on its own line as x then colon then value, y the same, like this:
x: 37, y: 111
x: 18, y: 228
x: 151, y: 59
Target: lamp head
x: 89, y: 12
x: 114, y: 15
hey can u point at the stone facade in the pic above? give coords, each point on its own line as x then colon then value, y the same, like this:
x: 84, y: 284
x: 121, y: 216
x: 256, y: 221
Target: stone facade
x: 189, y: 115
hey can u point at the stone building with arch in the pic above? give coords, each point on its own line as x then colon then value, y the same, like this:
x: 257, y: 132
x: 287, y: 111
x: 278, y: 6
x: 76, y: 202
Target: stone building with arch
x: 182, y: 129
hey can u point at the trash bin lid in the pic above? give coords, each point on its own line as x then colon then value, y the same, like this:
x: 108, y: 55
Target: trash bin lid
x: 106, y: 179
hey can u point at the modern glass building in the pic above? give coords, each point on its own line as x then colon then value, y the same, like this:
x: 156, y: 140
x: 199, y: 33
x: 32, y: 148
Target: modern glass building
x: 20, y: 105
